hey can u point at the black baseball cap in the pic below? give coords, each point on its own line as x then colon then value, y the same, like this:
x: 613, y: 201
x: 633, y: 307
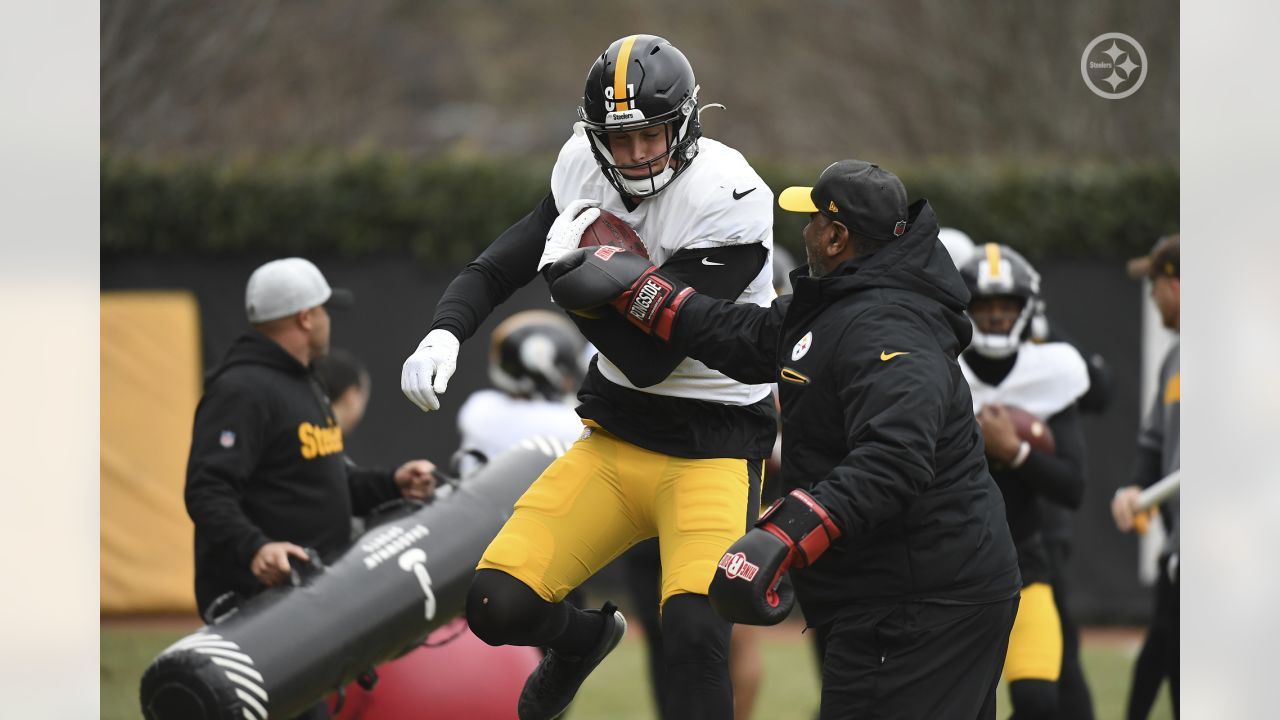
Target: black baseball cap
x: 863, y: 197
x: 1163, y: 260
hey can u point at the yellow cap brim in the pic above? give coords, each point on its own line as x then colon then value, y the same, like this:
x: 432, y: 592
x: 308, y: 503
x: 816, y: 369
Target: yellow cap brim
x: 797, y: 199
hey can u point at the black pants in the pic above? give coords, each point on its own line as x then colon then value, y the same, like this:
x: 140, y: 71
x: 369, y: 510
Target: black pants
x: 916, y: 660
x: 1159, y: 656
x: 644, y: 579
x: 1074, y: 699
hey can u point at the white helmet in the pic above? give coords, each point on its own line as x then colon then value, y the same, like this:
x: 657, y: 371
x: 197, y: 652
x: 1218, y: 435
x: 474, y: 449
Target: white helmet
x: 957, y: 243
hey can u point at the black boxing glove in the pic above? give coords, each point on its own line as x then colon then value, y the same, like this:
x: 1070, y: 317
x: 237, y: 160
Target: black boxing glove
x: 748, y: 586
x: 588, y: 278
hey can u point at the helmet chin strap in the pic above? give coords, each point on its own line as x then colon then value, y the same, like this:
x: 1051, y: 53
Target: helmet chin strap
x: 998, y: 346
x: 995, y: 347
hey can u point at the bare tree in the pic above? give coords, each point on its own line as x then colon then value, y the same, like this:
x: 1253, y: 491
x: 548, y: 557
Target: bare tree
x: 897, y: 80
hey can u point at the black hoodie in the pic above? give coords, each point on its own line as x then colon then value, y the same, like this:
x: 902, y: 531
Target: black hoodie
x: 877, y: 423
x: 267, y: 465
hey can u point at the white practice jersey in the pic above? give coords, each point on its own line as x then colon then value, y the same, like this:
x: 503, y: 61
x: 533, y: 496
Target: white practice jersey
x: 718, y: 201
x: 492, y: 422
x: 1046, y: 378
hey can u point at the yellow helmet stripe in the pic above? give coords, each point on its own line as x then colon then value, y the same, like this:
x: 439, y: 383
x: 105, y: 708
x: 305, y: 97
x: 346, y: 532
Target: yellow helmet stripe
x: 620, y: 72
x: 993, y: 260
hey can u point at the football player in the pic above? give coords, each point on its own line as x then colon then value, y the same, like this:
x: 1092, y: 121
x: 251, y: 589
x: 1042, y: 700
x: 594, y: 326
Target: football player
x: 671, y: 448
x: 535, y: 364
x: 1075, y: 702
x: 1004, y: 368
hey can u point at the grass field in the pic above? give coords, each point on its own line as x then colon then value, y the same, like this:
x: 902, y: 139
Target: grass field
x: 618, y: 690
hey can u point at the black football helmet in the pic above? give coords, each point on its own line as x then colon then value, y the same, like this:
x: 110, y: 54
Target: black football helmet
x: 536, y: 353
x: 642, y: 81
x: 998, y: 270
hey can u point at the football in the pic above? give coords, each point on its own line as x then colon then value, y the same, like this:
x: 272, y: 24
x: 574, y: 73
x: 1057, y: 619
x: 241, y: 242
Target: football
x: 609, y: 229
x: 1032, y: 429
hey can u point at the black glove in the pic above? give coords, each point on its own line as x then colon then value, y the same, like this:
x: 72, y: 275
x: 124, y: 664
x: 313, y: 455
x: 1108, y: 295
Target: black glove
x: 747, y: 587
x: 590, y: 277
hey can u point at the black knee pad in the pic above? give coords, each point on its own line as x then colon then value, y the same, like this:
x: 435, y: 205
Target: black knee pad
x: 1033, y: 699
x: 501, y: 610
x: 693, y: 632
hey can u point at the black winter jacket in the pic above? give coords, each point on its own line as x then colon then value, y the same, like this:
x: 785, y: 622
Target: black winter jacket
x: 877, y: 423
x: 267, y: 465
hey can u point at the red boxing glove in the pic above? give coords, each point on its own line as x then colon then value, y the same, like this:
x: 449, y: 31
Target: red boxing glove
x: 591, y: 277
x: 652, y: 302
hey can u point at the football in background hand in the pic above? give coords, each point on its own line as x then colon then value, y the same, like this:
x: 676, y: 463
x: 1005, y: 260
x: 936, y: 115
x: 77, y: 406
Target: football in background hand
x: 1032, y: 429
x: 609, y: 229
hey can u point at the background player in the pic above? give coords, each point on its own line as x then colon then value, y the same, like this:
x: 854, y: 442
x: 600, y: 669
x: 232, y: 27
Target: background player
x: 1003, y: 368
x: 672, y: 448
x: 1075, y: 702
x: 347, y: 384
x: 535, y: 364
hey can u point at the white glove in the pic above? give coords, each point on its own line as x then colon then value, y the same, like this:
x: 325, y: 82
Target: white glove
x: 427, y: 371
x: 566, y: 231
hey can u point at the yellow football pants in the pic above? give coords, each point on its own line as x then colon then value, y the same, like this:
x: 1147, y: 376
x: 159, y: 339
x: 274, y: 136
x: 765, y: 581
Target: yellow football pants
x: 1035, y: 643
x: 605, y: 495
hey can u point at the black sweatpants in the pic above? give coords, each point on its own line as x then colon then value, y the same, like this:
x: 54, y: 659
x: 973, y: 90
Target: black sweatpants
x: 915, y: 660
x: 1158, y: 658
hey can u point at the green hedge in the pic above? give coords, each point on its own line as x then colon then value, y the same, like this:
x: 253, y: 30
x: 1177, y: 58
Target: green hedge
x: 446, y: 211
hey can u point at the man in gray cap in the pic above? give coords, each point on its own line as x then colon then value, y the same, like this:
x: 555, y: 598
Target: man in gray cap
x: 893, y: 530
x: 266, y: 476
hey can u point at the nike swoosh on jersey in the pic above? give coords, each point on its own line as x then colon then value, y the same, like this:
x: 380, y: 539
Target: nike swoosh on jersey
x: 739, y: 195
x: 889, y: 356
x: 709, y: 261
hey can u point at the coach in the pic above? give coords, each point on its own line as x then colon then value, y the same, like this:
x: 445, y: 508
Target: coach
x: 893, y: 528
x: 267, y: 475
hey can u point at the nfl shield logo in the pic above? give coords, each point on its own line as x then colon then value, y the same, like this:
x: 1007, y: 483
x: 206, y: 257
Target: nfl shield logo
x: 227, y: 439
x: 802, y: 347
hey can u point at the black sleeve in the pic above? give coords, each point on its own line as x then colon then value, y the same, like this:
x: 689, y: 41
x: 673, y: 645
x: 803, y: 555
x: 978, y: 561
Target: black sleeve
x: 1060, y: 477
x: 507, y: 265
x: 227, y: 442
x: 721, y: 272
x: 738, y: 340
x: 1098, y: 398
x: 370, y: 487
x: 893, y: 414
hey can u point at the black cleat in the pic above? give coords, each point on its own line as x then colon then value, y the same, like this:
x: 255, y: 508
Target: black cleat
x: 552, y: 685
